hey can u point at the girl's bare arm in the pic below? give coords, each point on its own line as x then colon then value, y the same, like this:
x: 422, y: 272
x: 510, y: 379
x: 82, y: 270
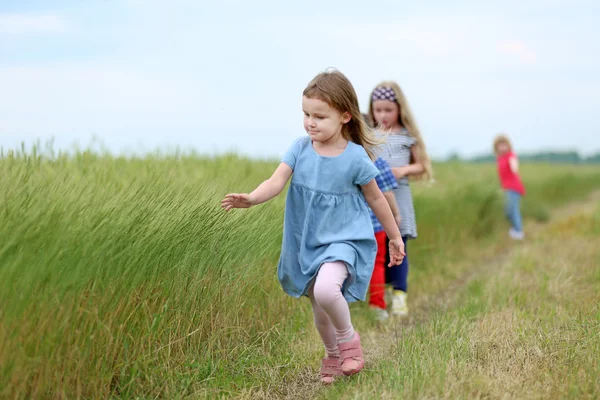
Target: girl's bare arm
x: 390, y: 197
x: 513, y: 163
x: 272, y: 186
x: 264, y: 192
x: 415, y: 168
x: 381, y: 209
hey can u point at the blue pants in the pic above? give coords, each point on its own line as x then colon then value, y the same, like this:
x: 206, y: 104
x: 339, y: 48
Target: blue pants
x: 397, y: 276
x: 513, y: 210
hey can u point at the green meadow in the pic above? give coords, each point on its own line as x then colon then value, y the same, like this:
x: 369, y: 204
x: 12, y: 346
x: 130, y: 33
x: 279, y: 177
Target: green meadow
x: 123, y: 278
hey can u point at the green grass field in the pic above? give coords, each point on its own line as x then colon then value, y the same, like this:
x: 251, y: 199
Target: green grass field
x: 524, y: 325
x: 122, y: 278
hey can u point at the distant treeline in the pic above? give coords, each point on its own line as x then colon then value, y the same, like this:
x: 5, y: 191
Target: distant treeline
x: 566, y: 157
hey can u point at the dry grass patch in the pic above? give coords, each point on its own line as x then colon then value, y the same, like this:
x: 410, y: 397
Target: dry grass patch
x: 541, y: 339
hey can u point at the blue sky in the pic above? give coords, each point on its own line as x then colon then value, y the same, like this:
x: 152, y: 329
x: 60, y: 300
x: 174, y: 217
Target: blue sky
x: 218, y: 76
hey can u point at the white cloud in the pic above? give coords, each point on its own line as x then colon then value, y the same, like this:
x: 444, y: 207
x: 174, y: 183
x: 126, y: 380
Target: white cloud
x: 20, y: 24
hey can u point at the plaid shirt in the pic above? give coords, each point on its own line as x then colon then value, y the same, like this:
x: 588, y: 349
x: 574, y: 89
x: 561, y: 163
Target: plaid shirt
x: 386, y: 182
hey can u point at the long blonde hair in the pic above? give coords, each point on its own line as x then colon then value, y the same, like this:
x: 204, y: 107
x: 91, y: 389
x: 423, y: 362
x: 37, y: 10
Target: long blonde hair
x: 408, y: 122
x: 335, y: 89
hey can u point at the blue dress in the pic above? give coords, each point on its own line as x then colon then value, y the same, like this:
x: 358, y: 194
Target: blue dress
x: 327, y: 219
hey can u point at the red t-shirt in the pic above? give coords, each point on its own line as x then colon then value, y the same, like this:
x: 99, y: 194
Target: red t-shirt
x: 508, y: 179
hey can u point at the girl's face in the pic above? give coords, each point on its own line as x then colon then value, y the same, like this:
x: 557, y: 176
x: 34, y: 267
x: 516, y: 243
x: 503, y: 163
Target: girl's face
x: 321, y: 121
x: 502, y: 148
x: 386, y: 113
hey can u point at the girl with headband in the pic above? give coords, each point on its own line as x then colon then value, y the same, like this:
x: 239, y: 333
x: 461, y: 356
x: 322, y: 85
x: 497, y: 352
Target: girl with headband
x: 404, y: 150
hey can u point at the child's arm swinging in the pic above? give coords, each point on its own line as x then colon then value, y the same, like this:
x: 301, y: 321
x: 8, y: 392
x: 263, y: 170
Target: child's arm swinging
x: 382, y: 211
x: 264, y: 192
x: 513, y: 163
x: 390, y: 197
x: 387, y: 183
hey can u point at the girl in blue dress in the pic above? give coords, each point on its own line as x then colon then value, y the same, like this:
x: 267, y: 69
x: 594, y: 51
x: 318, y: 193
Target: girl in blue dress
x: 328, y: 249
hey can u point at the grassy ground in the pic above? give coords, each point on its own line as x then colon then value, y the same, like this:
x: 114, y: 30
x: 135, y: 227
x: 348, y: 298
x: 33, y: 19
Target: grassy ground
x: 524, y: 326
x: 123, y: 278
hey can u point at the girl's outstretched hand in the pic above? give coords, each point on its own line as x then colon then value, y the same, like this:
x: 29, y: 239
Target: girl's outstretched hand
x: 236, y: 200
x: 396, y: 252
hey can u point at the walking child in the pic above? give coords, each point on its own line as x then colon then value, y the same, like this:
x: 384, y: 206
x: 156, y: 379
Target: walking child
x: 404, y: 150
x: 386, y: 183
x: 508, y: 172
x: 328, y: 247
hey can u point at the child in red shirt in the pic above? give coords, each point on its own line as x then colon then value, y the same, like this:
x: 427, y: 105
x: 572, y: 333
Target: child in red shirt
x: 508, y: 172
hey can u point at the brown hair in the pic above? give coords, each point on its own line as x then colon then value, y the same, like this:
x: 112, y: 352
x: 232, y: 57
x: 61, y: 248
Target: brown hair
x: 501, y: 138
x: 335, y: 89
x: 406, y: 120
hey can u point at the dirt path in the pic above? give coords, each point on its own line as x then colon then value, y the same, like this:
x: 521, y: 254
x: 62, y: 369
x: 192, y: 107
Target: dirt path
x: 423, y: 307
x: 377, y: 341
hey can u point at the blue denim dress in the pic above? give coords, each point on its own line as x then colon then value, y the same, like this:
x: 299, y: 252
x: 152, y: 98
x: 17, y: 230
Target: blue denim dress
x: 327, y: 219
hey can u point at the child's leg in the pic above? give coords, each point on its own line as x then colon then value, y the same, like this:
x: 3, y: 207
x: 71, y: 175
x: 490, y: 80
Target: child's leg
x: 507, y: 206
x: 324, y: 326
x: 513, y: 203
x: 327, y: 294
x: 330, y: 365
x: 377, y: 285
x: 397, y: 276
x: 517, y: 221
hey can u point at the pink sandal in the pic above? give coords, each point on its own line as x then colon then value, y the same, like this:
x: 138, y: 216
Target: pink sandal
x: 352, y: 356
x: 330, y: 369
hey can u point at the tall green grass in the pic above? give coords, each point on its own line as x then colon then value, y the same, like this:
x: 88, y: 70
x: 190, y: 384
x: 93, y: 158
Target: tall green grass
x: 123, y: 278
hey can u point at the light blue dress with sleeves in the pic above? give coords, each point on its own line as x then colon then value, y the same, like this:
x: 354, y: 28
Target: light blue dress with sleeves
x: 327, y: 218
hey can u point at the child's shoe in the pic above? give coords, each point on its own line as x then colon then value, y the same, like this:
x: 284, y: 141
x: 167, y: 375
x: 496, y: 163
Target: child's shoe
x: 380, y: 314
x: 399, y: 306
x: 389, y: 292
x: 516, y: 235
x: 351, y: 355
x: 330, y: 369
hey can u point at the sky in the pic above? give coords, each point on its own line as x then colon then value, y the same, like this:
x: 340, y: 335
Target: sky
x: 142, y: 75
